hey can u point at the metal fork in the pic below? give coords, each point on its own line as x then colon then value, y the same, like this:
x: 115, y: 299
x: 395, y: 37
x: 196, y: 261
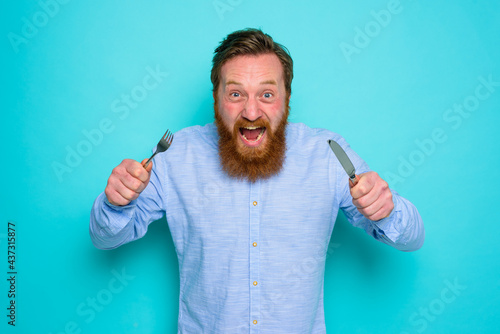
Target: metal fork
x: 162, y: 146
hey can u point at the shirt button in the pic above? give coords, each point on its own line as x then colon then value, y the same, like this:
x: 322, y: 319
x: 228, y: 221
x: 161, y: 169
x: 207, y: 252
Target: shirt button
x: 255, y: 322
x: 254, y: 203
x: 254, y: 282
x: 254, y: 244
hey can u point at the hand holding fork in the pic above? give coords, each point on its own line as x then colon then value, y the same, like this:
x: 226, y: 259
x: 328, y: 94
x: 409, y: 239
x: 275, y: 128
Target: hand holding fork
x: 162, y: 146
x: 130, y: 177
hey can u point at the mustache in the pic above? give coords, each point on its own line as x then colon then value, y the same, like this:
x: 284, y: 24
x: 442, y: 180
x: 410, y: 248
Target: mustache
x: 243, y: 123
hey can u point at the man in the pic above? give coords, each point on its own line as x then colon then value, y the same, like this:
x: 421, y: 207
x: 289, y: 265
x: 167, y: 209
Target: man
x: 249, y: 199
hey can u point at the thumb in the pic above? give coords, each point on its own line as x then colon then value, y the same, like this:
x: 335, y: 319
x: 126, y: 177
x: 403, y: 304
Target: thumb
x: 149, y: 167
x: 353, y: 184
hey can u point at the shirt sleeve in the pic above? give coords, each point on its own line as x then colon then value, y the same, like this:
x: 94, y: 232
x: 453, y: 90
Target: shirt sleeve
x: 403, y: 229
x: 112, y: 226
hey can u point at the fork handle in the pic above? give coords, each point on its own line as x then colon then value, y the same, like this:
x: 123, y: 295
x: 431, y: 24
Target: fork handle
x: 147, y: 162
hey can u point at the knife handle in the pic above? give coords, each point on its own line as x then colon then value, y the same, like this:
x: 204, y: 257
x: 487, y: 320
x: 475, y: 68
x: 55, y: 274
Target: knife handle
x: 353, y: 181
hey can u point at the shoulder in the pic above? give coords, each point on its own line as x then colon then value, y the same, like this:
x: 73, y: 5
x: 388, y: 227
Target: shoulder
x: 207, y: 133
x: 306, y: 143
x: 191, y: 142
x: 304, y: 138
x: 203, y: 137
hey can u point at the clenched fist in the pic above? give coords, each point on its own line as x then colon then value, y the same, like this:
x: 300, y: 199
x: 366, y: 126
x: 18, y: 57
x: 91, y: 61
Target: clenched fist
x: 372, y: 196
x: 127, y: 181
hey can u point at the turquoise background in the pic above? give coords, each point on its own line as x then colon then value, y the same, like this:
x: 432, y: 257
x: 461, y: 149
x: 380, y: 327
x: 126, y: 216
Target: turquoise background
x: 65, y: 77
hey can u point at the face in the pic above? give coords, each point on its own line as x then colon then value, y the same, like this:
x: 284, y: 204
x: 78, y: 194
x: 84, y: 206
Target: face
x: 252, y: 90
x: 251, y: 111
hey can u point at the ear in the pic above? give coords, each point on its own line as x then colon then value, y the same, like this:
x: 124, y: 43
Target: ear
x: 215, y: 96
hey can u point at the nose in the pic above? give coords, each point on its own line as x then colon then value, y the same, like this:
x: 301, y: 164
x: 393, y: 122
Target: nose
x: 252, y: 111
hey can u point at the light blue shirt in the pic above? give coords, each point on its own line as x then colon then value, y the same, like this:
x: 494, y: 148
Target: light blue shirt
x: 251, y: 255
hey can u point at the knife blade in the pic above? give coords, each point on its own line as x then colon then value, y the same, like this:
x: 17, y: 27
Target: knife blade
x: 344, y: 161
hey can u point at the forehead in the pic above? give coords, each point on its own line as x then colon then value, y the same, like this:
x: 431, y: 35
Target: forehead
x: 249, y: 68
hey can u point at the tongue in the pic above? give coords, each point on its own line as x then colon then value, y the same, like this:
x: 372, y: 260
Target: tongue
x: 251, y: 134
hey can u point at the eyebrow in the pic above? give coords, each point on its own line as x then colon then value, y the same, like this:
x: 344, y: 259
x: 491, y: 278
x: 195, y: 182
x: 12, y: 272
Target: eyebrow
x: 267, y: 82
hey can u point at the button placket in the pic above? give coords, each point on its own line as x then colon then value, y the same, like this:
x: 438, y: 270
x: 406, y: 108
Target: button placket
x: 254, y: 274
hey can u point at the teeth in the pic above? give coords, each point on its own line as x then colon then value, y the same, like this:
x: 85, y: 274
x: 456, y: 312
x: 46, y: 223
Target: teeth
x: 258, y: 137
x: 251, y: 127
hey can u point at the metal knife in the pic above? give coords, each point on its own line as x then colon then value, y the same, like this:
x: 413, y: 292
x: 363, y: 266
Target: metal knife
x: 344, y: 161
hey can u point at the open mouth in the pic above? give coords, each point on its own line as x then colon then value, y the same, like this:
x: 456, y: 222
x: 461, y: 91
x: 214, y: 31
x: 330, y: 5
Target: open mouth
x: 252, y: 135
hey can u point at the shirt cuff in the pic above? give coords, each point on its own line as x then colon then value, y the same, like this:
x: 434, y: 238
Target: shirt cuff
x: 118, y: 216
x: 119, y: 208
x: 386, y: 227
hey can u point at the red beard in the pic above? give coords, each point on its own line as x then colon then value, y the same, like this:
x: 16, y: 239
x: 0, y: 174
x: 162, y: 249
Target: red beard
x: 252, y: 163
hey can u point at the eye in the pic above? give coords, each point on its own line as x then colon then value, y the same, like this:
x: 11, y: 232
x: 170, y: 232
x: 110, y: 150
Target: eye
x: 235, y: 94
x: 268, y: 95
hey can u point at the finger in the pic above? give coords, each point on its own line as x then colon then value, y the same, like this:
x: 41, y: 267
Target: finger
x: 382, y: 213
x: 362, y: 188
x: 124, y: 191
x: 122, y: 174
x: 367, y: 199
x: 371, y: 209
x: 114, y: 197
x: 117, y: 193
x: 352, y: 184
x: 381, y: 208
x: 149, y: 166
x: 138, y: 171
x: 132, y: 182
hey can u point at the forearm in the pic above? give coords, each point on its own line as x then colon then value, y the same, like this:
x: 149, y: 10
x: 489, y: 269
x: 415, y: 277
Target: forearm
x: 403, y: 229
x: 112, y: 226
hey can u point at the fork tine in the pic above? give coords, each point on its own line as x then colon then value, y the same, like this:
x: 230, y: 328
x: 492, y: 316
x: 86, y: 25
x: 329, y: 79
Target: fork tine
x: 166, y: 134
x: 170, y: 139
x: 162, y: 145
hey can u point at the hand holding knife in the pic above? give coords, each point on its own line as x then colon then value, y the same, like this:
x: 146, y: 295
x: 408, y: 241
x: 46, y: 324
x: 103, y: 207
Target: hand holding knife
x: 344, y: 161
x: 374, y: 199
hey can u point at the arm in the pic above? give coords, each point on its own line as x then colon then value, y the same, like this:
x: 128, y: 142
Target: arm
x: 131, y: 201
x: 403, y: 229
x: 380, y: 211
